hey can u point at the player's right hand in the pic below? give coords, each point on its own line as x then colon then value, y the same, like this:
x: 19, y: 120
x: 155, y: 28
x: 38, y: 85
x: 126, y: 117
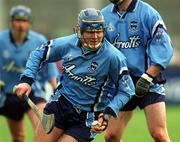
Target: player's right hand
x: 22, y: 88
x: 99, y: 125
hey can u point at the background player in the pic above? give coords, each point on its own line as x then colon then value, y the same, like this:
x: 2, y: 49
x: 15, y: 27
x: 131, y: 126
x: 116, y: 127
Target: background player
x: 16, y: 45
x: 137, y: 29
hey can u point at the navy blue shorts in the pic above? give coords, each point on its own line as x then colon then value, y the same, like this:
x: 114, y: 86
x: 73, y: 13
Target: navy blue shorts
x: 150, y: 98
x: 15, y: 107
x: 73, y: 121
x: 142, y: 102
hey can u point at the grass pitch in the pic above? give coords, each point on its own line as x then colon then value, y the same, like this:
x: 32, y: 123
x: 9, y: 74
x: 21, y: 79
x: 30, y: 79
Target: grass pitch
x: 136, y: 131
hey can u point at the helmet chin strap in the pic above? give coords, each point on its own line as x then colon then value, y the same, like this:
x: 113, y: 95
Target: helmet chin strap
x: 84, y: 43
x: 91, y: 47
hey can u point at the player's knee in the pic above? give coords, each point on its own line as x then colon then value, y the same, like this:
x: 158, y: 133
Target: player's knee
x: 110, y: 137
x: 159, y: 135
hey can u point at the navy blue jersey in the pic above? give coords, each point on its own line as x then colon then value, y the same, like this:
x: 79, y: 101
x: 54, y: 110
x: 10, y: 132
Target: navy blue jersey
x: 13, y: 58
x: 140, y: 34
x: 89, y: 80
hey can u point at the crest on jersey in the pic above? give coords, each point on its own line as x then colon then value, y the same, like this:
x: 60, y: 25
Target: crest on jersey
x: 133, y: 26
x: 93, y: 66
x: 159, y: 36
x: 110, y: 27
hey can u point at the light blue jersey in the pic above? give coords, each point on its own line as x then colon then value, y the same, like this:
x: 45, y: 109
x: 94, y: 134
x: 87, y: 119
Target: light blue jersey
x: 87, y: 77
x: 13, y: 58
x: 140, y: 34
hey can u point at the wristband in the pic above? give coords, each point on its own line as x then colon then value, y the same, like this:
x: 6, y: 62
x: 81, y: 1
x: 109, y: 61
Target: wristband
x: 109, y: 111
x: 147, y: 77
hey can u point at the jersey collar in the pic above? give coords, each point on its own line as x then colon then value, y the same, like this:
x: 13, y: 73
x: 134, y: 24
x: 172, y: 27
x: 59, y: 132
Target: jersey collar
x: 13, y: 41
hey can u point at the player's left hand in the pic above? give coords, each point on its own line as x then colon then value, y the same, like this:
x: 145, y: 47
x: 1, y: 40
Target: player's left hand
x: 143, y: 84
x: 100, y: 125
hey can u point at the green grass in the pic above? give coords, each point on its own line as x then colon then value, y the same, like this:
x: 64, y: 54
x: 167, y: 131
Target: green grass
x: 5, y: 133
x: 136, y: 131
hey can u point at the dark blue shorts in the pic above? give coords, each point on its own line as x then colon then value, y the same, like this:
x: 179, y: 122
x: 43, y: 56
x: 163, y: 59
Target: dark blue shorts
x: 73, y: 121
x: 15, y: 107
x: 150, y: 98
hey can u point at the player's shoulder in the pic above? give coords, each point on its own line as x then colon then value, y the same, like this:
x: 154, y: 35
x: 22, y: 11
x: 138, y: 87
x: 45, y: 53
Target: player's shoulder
x: 36, y: 36
x: 70, y: 39
x: 5, y: 37
x: 65, y: 38
x: 145, y: 8
x: 107, y: 7
x: 4, y: 33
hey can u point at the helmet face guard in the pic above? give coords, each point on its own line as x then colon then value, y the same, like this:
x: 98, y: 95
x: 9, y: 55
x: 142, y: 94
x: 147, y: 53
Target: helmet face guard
x: 91, y: 26
x: 90, y: 20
